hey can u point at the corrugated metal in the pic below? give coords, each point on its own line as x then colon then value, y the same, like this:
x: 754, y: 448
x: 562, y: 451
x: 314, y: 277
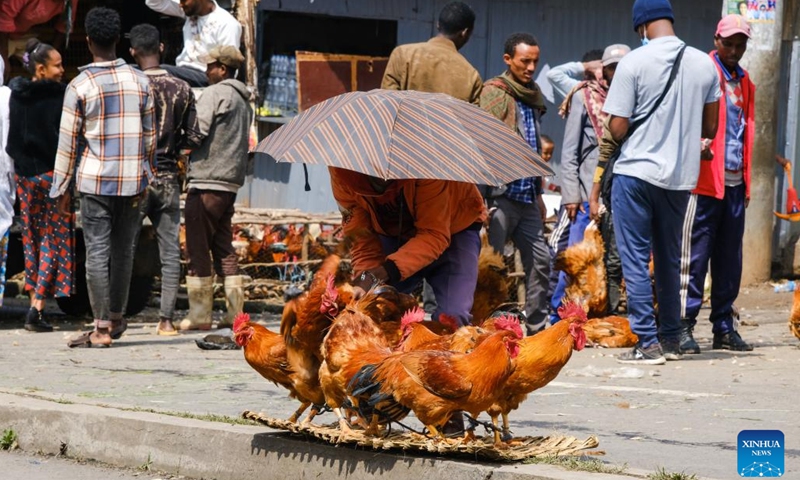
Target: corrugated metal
x: 565, y: 30
x: 282, y: 185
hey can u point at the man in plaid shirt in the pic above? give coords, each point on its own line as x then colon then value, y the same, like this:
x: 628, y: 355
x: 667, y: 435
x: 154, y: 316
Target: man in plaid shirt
x: 108, y: 132
x: 519, y: 209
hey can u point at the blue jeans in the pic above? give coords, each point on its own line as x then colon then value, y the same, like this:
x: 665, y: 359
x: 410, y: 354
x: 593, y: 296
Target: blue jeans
x: 649, y: 219
x: 452, y: 277
x: 110, y: 228
x: 576, y: 230
x: 162, y: 204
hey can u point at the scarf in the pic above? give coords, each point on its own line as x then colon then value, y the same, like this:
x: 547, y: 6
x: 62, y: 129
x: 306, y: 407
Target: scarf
x: 594, y: 95
x: 531, y: 96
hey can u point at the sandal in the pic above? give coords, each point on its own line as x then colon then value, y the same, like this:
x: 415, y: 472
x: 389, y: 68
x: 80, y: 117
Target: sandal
x: 85, y: 341
x: 166, y: 333
x: 118, y: 327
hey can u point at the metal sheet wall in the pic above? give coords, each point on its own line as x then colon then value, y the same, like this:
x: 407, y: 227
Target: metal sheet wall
x: 565, y: 29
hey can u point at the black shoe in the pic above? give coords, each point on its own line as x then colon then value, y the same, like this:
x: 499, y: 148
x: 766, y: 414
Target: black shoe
x: 34, y: 322
x: 687, y: 342
x: 651, y: 355
x: 671, y: 347
x: 730, y: 341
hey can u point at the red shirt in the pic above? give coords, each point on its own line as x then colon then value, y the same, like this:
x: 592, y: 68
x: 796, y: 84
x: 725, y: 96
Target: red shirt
x: 18, y: 16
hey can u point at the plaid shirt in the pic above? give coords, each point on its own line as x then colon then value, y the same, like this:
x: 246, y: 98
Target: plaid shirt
x: 525, y: 189
x: 108, y: 131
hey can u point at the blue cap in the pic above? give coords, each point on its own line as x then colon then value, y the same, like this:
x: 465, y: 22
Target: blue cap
x: 645, y: 11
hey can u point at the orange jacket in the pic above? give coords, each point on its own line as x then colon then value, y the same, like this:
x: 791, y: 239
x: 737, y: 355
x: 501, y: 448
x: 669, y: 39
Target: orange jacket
x: 438, y: 208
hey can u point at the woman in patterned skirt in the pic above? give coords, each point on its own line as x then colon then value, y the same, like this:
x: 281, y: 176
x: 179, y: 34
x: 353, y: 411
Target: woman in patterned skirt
x: 48, y: 235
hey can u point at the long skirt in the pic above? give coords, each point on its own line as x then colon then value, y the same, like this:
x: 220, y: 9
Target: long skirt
x: 48, y: 239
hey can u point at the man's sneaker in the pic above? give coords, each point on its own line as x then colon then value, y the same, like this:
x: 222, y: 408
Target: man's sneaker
x: 730, y: 341
x: 651, y: 355
x: 671, y: 348
x: 687, y: 342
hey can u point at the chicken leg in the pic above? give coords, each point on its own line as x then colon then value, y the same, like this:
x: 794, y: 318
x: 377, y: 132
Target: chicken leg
x: 344, y: 426
x: 313, y: 413
x: 296, y: 415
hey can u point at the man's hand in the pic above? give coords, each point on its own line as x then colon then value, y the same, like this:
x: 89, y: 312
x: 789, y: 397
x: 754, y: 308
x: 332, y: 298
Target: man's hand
x: 593, y: 70
x: 63, y: 204
x: 573, y: 209
x: 594, y: 203
x: 367, y: 279
x: 746, y: 202
x: 705, y: 150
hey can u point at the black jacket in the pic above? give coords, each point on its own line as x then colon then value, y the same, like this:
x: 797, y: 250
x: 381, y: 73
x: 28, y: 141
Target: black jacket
x: 34, y: 117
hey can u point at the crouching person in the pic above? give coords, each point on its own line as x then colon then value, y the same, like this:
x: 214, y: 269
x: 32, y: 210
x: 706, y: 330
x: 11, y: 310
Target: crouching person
x: 217, y: 169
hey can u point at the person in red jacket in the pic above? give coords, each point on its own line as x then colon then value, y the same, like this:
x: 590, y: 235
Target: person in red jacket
x: 714, y: 222
x: 404, y: 231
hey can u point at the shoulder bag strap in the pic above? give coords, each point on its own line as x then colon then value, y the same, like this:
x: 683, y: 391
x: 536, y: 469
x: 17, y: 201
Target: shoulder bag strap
x: 671, y: 80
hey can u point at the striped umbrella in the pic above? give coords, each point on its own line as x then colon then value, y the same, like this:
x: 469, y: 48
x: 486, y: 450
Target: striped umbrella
x: 406, y: 135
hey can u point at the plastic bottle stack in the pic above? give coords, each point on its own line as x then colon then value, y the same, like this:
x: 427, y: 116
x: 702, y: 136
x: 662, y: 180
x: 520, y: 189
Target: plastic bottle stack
x: 280, y: 98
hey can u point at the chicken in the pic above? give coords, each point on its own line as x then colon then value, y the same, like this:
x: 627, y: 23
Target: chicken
x: 417, y: 336
x: 610, y: 332
x: 386, y: 305
x: 265, y: 351
x: 492, y: 287
x: 794, y: 317
x: 583, y: 264
x: 353, y: 340
x: 303, y: 327
x: 435, y: 384
x: 541, y: 358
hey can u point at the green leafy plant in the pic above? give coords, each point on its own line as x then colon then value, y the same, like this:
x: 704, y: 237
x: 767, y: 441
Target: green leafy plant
x: 9, y: 440
x: 663, y: 474
x: 145, y: 467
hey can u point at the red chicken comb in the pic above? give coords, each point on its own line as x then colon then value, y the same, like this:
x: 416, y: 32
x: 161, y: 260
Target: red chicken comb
x: 450, y: 322
x: 572, y: 310
x: 413, y: 315
x: 240, y: 320
x: 510, y: 323
x: 329, y: 298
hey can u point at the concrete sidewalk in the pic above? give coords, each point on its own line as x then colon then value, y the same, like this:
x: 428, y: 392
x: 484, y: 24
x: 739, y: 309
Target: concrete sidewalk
x: 683, y: 416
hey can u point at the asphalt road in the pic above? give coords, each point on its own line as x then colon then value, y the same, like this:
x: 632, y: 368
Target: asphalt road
x: 682, y: 416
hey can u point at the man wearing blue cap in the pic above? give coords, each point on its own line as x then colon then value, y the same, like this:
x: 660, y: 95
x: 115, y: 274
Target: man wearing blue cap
x: 656, y: 170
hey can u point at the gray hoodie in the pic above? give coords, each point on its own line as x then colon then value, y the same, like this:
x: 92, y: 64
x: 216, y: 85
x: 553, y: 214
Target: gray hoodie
x: 223, y: 117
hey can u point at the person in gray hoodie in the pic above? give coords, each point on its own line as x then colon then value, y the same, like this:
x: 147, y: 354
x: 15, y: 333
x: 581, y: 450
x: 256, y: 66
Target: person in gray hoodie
x: 582, y: 108
x: 217, y: 169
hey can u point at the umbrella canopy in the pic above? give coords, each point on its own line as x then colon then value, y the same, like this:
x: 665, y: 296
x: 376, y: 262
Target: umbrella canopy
x: 393, y: 134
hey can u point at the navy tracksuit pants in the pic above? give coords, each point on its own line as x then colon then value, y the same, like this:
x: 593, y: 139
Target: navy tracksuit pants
x: 714, y: 230
x: 649, y: 219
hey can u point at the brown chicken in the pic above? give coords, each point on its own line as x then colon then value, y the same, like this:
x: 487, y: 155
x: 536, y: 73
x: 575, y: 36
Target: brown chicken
x: 610, y: 332
x: 541, y: 358
x: 492, y: 289
x: 435, y: 384
x: 794, y: 317
x: 303, y: 327
x: 265, y: 351
x: 583, y: 264
x: 354, y: 340
x: 417, y: 336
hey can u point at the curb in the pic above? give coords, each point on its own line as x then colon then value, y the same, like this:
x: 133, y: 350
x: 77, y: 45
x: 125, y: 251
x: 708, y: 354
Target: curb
x: 201, y: 449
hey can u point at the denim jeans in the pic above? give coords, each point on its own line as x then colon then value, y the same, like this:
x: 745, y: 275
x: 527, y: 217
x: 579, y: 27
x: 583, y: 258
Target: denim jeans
x: 162, y: 204
x: 110, y: 228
